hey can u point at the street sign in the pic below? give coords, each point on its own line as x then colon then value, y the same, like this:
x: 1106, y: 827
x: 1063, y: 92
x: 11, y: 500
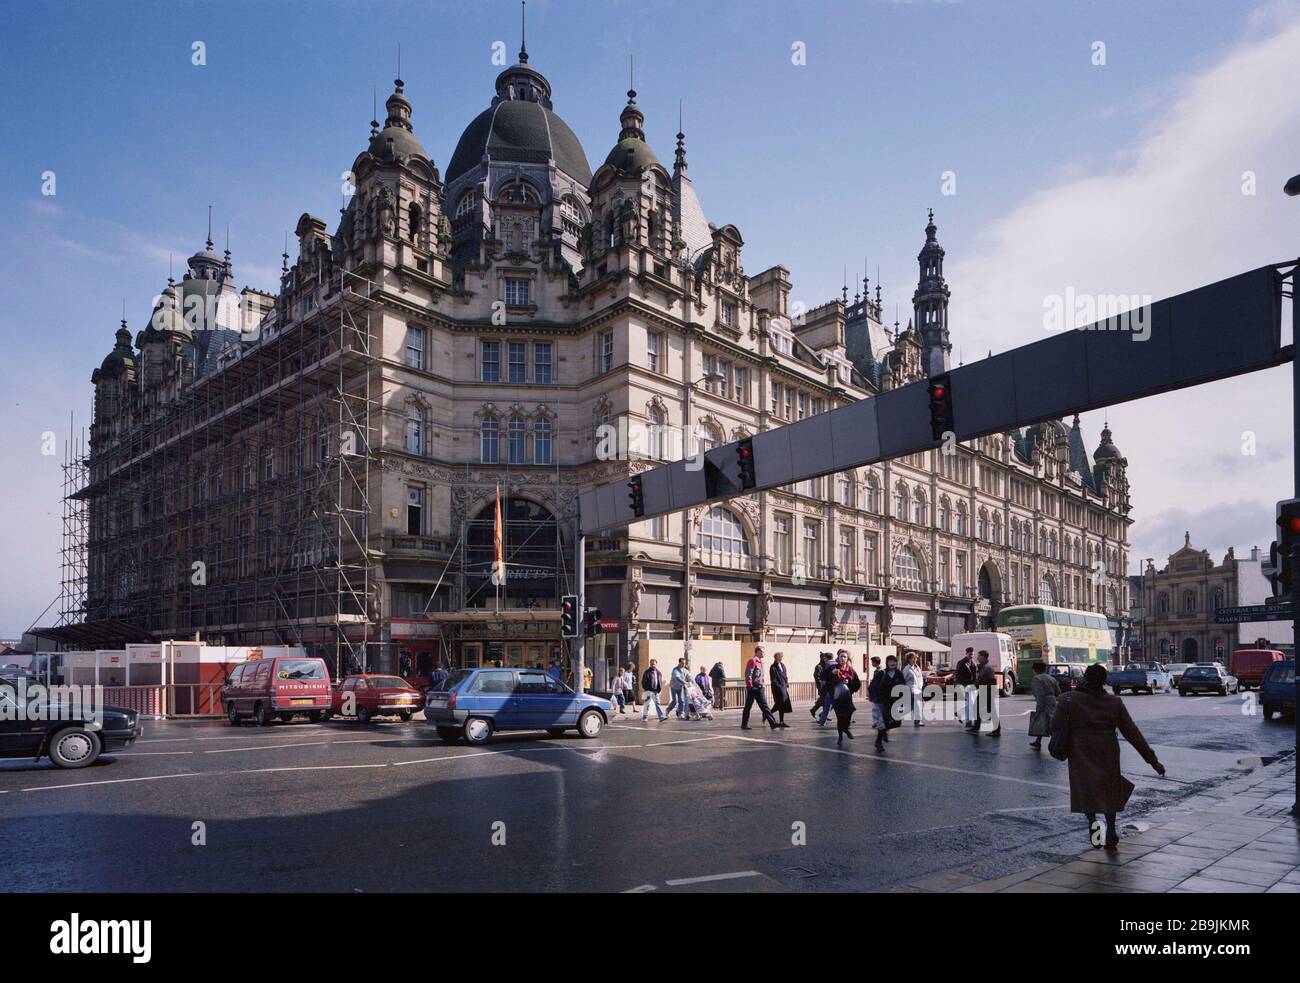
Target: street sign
x: 1253, y: 612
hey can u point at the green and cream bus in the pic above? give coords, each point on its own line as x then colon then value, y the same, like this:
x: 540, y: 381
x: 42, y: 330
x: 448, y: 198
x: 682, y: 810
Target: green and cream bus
x: 1053, y: 635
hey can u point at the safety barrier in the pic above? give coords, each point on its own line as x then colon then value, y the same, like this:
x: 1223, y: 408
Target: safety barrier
x: 177, y: 700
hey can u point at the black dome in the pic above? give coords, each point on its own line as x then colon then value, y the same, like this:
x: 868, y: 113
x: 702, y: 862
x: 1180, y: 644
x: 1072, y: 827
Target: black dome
x: 522, y: 132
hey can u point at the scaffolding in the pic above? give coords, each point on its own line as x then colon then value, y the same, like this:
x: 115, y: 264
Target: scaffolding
x: 72, y: 546
x: 236, y: 504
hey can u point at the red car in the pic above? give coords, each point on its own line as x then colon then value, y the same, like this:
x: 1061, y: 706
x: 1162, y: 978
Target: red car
x: 373, y: 695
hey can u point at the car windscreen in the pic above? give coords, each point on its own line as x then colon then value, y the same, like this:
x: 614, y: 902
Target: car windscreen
x: 300, y: 670
x: 388, y: 682
x: 1199, y: 671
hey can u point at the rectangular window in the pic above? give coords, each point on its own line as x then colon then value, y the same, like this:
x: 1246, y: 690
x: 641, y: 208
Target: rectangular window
x: 542, y: 441
x: 490, y: 361
x: 872, y: 558
x: 415, y: 347
x: 516, y: 291
x: 812, y: 548
x: 789, y: 402
x: 847, y: 551
x: 516, y: 362
x: 653, y: 343
x: 943, y: 571
x: 415, y: 432
x: 607, y: 351
x: 959, y: 578
x: 803, y: 405
x: 729, y: 314
x: 776, y: 399
x: 781, y: 545
x: 516, y: 438
x: 542, y: 361
x: 414, y: 510
x: 740, y: 388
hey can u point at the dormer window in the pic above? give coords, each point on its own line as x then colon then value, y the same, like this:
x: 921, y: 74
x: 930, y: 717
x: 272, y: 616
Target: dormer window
x: 468, y: 203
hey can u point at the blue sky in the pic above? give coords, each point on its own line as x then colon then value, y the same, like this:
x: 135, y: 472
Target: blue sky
x: 821, y: 165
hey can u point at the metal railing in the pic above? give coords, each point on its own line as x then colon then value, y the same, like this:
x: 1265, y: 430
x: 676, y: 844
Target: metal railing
x: 176, y: 700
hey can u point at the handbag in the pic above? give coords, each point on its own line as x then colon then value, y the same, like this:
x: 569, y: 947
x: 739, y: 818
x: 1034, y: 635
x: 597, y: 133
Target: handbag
x: 1059, y: 746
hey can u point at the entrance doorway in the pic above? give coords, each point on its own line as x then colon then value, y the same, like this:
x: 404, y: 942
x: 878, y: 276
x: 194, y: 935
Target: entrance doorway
x: 1189, y: 650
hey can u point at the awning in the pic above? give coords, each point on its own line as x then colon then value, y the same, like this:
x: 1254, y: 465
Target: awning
x: 919, y: 643
x: 102, y: 634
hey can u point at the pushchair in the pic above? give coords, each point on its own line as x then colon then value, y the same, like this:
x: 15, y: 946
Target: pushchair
x: 698, y: 705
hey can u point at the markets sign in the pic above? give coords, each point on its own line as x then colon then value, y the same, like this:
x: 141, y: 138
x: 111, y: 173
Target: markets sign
x: 1253, y: 612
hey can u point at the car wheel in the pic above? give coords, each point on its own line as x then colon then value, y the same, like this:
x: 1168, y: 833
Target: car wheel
x: 1008, y: 685
x: 262, y: 715
x: 555, y: 731
x: 316, y: 716
x: 1116, y: 690
x: 232, y: 715
x: 1223, y: 691
x: 449, y: 734
x: 74, y: 747
x: 363, y: 715
x: 1268, y: 711
x: 477, y: 730
x: 404, y: 716
x: 590, y: 724
x: 1182, y: 692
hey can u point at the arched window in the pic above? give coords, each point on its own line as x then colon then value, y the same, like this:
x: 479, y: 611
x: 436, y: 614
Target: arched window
x: 516, y: 439
x: 844, y: 486
x: 961, y: 518
x: 1162, y: 603
x: 414, y: 428
x: 873, y: 494
x: 918, y: 508
x: 907, y: 570
x: 1189, y: 602
x: 1051, y: 546
x: 1014, y: 529
x: 658, y: 434
x: 982, y: 525
x: 542, y: 441
x: 1042, y: 542
x: 1046, y: 591
x: 945, y: 514
x: 721, y: 539
x: 490, y: 440
x: 900, y: 502
x: 414, y: 225
x: 997, y: 528
x: 1218, y: 598
x: 467, y: 204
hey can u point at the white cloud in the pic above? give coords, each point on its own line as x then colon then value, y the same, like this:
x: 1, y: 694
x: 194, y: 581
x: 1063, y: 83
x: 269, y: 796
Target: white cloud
x: 1169, y: 215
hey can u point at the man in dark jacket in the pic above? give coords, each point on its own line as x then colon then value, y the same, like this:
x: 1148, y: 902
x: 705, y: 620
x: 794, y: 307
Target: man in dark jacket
x: 440, y: 676
x: 652, y: 681
x: 986, y: 684
x: 964, y: 680
x: 823, y: 687
x: 719, y: 677
x: 886, y: 691
x: 755, y: 691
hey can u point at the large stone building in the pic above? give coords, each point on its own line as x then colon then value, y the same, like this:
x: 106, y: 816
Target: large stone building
x: 1179, y: 601
x: 321, y: 465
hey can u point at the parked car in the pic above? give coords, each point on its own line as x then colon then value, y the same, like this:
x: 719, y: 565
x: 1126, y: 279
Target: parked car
x: 284, y: 686
x: 70, y: 736
x: 476, y: 703
x: 1176, y: 670
x: 1207, y: 677
x: 1137, y: 677
x: 1277, y: 691
x: 1069, y: 675
x: 1249, y: 665
x: 369, y: 695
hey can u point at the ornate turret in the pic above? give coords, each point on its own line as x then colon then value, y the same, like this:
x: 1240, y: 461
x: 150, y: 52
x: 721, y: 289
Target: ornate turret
x: 930, y: 303
x: 397, y: 139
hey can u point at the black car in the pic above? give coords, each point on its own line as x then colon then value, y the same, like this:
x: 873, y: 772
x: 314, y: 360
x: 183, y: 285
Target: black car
x: 1206, y: 678
x: 71, y: 739
x: 1067, y: 674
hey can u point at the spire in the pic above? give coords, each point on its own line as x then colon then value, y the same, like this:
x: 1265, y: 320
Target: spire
x: 284, y: 263
x: 679, y: 162
x: 374, y: 112
x: 930, y: 303
x: 209, y: 227
x: 523, y: 32
x: 631, y: 118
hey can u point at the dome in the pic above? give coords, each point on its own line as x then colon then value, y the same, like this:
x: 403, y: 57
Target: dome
x: 1106, y: 450
x: 122, y: 357
x: 520, y: 128
x: 397, y: 139
x: 631, y: 156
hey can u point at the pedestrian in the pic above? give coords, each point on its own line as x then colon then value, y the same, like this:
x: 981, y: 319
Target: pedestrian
x: 629, y: 687
x: 438, y: 678
x: 914, y: 676
x: 964, y: 679
x: 755, y: 692
x: 887, y: 692
x: 986, y: 695
x: 780, y: 688
x: 619, y: 684
x: 1046, y: 692
x: 586, y: 679
x: 823, y: 685
x: 555, y: 671
x: 1096, y: 785
x: 718, y: 676
x: 652, y: 681
x: 681, y: 675
x: 704, y: 684
x: 844, y: 682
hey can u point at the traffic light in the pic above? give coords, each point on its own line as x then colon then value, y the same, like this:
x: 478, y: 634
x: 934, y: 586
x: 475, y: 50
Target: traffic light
x: 591, y: 622
x: 1288, y: 524
x: 941, y: 421
x: 636, y: 495
x: 745, y: 459
x: 569, y: 616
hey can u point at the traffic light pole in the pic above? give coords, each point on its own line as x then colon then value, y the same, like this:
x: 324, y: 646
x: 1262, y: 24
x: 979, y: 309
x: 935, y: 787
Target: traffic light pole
x: 580, y: 642
x: 1294, y: 558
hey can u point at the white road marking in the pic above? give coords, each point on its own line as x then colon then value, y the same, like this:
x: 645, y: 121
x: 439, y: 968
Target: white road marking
x: 713, y: 877
x: 641, y: 889
x: 113, y: 781
x: 262, y: 771
x: 272, y: 747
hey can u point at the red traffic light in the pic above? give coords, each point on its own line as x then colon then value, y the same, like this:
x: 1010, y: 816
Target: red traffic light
x: 937, y: 392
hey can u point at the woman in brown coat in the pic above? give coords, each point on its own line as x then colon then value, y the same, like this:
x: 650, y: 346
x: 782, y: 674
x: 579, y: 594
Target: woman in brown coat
x: 1096, y: 784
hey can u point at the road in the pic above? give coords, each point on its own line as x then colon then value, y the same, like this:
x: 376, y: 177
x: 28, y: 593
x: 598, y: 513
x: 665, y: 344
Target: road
x: 677, y: 806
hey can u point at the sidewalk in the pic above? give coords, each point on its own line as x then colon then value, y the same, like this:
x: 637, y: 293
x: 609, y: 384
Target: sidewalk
x: 1238, y: 837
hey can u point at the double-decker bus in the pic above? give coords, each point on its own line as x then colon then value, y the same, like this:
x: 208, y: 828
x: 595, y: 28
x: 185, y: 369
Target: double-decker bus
x: 1053, y: 635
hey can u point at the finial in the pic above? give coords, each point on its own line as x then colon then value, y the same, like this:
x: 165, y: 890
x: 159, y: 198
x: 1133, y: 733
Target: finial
x: 374, y: 111
x: 523, y: 32
x: 171, y: 268
x: 845, y: 289
x: 284, y: 266
x: 209, y: 226
x: 679, y: 162
x: 397, y: 82
x: 227, y: 243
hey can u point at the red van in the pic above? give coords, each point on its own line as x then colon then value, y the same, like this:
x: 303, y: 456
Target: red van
x: 283, y: 686
x: 1249, y: 665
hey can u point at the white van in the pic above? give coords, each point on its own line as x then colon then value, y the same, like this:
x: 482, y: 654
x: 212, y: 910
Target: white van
x: 1002, y: 654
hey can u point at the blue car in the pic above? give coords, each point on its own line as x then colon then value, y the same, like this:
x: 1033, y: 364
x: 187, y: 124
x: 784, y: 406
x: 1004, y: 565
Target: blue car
x: 476, y: 703
x: 1277, y: 690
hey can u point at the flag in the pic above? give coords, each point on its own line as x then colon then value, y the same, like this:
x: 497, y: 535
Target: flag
x: 498, y: 544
